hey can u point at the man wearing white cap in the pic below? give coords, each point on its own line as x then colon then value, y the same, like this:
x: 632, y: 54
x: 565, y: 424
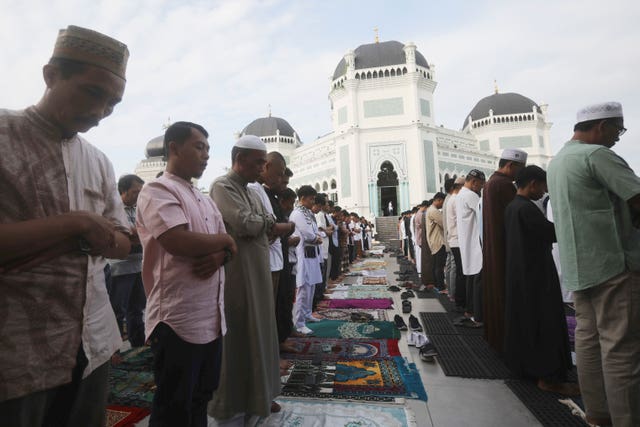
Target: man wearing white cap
x: 498, y: 192
x: 595, y: 197
x: 250, y: 374
x: 61, y: 217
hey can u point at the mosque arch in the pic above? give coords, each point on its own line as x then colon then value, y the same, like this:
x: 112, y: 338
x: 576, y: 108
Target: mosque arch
x: 386, y: 73
x: 387, y: 188
x: 325, y: 186
x: 393, y: 72
x: 317, y: 186
x: 369, y: 75
x: 404, y: 70
x: 334, y: 185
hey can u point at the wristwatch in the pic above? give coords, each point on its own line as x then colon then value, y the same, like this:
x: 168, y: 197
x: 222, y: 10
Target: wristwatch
x: 83, y: 245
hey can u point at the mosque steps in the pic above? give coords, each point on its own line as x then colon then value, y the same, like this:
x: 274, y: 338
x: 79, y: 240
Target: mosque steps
x: 387, y: 229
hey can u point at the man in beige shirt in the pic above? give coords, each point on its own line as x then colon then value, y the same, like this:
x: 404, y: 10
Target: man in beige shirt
x: 435, y: 236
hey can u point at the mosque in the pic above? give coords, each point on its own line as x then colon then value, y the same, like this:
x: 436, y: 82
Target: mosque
x: 385, y: 148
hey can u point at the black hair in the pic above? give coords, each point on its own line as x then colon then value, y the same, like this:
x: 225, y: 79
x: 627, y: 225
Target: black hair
x: 68, y: 67
x: 439, y: 195
x: 503, y: 162
x: 179, y: 132
x: 126, y: 181
x: 530, y: 173
x: 590, y: 124
x: 337, y: 208
x: 320, y: 200
x: 448, y: 185
x: 306, y: 190
x: 330, y: 203
x: 288, y: 194
x: 288, y: 172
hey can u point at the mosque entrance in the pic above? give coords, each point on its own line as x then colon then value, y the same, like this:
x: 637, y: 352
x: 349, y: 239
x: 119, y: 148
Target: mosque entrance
x: 387, y: 190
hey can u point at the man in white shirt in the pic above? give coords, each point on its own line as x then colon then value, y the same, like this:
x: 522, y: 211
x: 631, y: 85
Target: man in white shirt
x: 458, y: 289
x: 467, y: 220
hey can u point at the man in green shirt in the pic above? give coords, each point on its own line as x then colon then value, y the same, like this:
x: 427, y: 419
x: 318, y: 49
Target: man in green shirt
x: 595, y: 197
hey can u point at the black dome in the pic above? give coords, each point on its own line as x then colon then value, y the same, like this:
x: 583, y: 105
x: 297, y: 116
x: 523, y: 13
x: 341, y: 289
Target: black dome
x: 379, y: 55
x: 267, y: 126
x: 155, y: 147
x: 501, y: 103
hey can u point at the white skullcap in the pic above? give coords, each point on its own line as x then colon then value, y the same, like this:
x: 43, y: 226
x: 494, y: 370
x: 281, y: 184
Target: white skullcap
x: 604, y: 110
x: 514, y: 155
x: 251, y: 142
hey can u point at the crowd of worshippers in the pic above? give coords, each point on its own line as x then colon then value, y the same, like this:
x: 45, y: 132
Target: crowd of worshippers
x: 496, y: 247
x: 216, y: 275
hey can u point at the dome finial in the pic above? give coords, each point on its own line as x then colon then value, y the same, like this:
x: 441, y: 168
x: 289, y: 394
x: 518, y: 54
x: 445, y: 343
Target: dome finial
x: 495, y: 85
x: 269, y: 110
x: 375, y: 30
x: 167, y: 124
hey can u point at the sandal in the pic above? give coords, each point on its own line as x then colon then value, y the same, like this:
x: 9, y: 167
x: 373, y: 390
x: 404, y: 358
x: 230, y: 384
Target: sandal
x: 406, y: 306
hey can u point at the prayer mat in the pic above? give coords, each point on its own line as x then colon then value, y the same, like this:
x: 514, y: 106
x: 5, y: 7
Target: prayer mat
x: 342, y: 329
x: 374, y: 280
x: 340, y: 349
x: 368, y: 303
x: 359, y: 293
x: 124, y: 416
x: 355, y: 379
x: 352, y: 280
x: 374, y: 273
x: 468, y: 357
x: 345, y: 313
x: 308, y: 413
x: 544, y: 405
x: 131, y: 382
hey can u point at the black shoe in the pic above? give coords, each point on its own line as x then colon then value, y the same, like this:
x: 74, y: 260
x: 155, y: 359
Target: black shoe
x: 404, y: 295
x: 428, y: 352
x: 393, y: 288
x: 406, y: 306
x: 414, y: 324
x: 410, y: 293
x: 399, y: 321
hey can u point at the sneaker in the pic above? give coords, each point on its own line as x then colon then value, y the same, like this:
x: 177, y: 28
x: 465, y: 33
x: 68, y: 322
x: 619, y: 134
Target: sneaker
x: 305, y: 330
x: 428, y: 352
x: 411, y: 340
x: 414, y: 323
x: 419, y: 339
x: 399, y: 321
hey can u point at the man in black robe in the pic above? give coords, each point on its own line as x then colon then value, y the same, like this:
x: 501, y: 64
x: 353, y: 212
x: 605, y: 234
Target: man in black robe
x: 536, y: 341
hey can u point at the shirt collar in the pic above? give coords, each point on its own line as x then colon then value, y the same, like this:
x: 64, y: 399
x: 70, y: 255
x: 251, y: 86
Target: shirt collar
x: 44, y: 124
x: 234, y: 176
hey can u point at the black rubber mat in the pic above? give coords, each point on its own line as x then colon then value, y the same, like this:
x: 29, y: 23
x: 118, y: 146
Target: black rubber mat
x: 544, y: 405
x: 468, y: 357
x: 437, y: 324
x: 429, y: 293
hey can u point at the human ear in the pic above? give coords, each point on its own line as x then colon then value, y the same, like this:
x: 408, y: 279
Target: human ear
x: 51, y: 74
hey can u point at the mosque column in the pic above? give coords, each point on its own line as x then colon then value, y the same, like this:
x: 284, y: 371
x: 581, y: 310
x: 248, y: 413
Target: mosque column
x: 404, y: 196
x: 373, y: 198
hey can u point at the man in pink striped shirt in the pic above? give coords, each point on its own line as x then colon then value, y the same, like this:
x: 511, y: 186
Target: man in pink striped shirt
x: 185, y: 245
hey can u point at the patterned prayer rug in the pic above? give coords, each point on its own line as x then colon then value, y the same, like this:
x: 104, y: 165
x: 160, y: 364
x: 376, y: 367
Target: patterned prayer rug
x: 131, y: 382
x: 381, y: 379
x: 359, y: 293
x: 123, y: 416
x: 368, y: 303
x: 307, y: 413
x: 374, y: 280
x: 345, y: 313
x: 337, y: 349
x: 342, y: 329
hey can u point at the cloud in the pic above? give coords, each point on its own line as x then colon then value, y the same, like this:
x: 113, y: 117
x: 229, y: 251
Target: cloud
x: 223, y: 63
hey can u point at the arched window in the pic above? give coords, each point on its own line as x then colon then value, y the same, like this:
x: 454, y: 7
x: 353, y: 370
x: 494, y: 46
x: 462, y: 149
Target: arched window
x: 358, y: 76
x: 333, y: 184
x: 446, y: 177
x: 325, y: 186
x: 375, y: 74
x: 369, y: 75
x: 386, y: 73
x: 317, y: 186
x: 404, y: 70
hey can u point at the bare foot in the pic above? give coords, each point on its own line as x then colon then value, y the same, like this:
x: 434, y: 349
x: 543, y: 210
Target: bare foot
x: 317, y: 316
x: 275, y: 407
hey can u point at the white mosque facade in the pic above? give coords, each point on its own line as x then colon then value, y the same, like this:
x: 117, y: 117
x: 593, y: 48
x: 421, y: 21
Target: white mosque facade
x: 385, y: 145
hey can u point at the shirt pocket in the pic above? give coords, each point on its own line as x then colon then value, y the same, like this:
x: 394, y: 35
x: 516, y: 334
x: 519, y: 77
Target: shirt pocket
x: 93, y: 199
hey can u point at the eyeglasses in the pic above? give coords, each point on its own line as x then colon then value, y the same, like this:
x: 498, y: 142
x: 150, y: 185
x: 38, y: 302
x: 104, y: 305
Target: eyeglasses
x: 621, y: 129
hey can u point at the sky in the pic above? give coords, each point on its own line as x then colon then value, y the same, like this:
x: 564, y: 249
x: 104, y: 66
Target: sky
x: 225, y: 63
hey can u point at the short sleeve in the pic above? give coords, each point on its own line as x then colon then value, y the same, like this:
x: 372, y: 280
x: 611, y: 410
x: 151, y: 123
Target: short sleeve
x: 614, y: 173
x: 159, y: 210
